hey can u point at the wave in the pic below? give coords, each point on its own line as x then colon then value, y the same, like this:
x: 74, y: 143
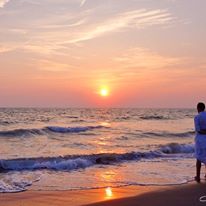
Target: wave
x: 55, y: 129
x: 72, y: 117
x: 73, y: 129
x: 167, y: 134
x: 175, y: 148
x: 74, y: 162
x: 123, y: 118
x: 21, y: 132
x: 5, y: 123
x: 154, y: 117
x: 54, y: 163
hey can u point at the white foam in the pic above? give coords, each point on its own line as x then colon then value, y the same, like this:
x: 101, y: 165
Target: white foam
x: 11, y: 183
x: 57, y: 164
x: 175, y: 148
x: 64, y: 165
x: 72, y: 129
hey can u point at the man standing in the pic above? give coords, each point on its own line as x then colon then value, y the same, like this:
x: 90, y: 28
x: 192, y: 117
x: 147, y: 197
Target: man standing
x: 200, y: 138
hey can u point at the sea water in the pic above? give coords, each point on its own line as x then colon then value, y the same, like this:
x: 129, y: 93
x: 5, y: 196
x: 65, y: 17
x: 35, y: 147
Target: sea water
x: 73, y: 149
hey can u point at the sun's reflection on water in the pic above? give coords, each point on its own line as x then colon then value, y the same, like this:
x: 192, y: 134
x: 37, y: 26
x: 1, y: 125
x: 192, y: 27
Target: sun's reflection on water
x: 108, y: 193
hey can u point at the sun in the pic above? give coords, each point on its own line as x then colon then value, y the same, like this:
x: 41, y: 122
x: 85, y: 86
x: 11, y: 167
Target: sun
x: 104, y: 92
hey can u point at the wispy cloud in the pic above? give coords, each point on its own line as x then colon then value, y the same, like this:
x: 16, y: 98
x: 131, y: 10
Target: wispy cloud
x: 54, y: 66
x: 137, y: 18
x: 3, y: 3
x: 57, y: 33
x: 43, y: 49
x: 82, y: 3
x: 7, y: 47
x: 141, y: 58
x: 63, y: 26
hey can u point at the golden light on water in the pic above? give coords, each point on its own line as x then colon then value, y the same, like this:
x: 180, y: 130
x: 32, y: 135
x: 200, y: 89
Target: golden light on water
x: 108, y: 192
x: 105, y: 124
x: 109, y: 176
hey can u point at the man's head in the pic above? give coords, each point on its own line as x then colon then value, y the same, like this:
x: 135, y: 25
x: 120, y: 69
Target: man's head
x: 200, y: 107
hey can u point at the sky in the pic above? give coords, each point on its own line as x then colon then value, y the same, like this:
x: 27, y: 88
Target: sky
x: 61, y: 53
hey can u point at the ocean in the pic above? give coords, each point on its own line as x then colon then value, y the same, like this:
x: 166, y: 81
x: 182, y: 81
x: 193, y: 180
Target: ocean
x: 79, y: 149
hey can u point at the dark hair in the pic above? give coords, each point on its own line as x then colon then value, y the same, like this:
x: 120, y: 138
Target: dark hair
x: 201, y: 106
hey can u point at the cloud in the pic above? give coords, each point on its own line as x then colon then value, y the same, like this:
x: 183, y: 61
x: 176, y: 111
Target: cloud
x: 82, y: 3
x: 63, y: 26
x: 53, y: 66
x: 3, y: 3
x: 55, y: 34
x: 133, y: 19
x: 4, y: 48
x: 139, y: 58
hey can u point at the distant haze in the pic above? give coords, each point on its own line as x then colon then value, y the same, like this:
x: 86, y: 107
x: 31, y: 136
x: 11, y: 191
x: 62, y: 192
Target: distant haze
x: 60, y: 53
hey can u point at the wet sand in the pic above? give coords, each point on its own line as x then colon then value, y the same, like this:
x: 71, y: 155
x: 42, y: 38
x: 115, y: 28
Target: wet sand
x: 187, y: 195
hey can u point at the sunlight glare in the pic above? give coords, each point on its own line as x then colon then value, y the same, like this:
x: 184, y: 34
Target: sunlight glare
x: 104, y: 92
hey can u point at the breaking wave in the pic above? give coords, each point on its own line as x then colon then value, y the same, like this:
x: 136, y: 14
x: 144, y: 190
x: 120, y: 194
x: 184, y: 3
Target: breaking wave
x: 56, y: 129
x: 175, y: 148
x: 12, y: 183
x: 167, y: 134
x: 154, y: 117
x: 74, y: 162
x: 73, y: 129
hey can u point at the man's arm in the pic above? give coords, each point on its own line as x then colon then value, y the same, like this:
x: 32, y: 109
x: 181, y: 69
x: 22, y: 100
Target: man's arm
x: 197, y: 125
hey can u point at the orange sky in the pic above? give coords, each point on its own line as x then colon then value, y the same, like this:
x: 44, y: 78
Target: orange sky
x: 60, y: 53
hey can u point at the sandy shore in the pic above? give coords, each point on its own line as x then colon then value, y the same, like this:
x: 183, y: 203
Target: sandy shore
x: 125, y: 196
x: 69, y: 198
x: 187, y: 195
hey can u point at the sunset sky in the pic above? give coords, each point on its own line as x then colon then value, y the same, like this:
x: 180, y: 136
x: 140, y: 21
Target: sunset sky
x: 63, y: 53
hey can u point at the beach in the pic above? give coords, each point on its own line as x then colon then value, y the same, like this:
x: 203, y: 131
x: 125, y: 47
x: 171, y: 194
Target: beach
x: 187, y: 195
x: 181, y: 195
x: 73, y: 198
x: 79, y: 157
x: 81, y: 149
x: 102, y: 102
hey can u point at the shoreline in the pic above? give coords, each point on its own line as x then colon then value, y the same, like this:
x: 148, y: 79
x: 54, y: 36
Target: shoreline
x: 180, y: 195
x: 193, y: 194
x: 72, y: 197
